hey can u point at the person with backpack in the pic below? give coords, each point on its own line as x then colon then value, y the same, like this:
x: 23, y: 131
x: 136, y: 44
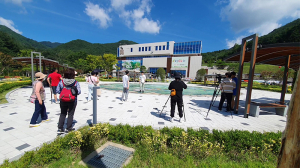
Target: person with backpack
x: 69, y: 89
x: 38, y: 97
x: 92, y: 80
x: 177, y: 87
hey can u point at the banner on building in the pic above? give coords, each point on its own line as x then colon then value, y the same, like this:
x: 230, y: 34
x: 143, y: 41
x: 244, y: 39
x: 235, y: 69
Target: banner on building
x: 180, y: 62
x: 131, y: 65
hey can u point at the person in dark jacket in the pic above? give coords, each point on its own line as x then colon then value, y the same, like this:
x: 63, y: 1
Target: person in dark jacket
x: 178, y: 85
x: 67, y: 107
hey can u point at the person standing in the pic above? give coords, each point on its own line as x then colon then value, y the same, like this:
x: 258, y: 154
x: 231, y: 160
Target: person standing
x: 142, y: 80
x: 55, y: 78
x: 178, y: 85
x: 67, y: 106
x: 38, y: 97
x: 125, y: 79
x: 92, y: 80
x: 234, y: 78
x: 226, y: 86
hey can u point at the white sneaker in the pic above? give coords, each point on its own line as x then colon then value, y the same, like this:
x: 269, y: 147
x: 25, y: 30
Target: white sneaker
x: 180, y: 120
x: 34, y: 125
x: 171, y: 119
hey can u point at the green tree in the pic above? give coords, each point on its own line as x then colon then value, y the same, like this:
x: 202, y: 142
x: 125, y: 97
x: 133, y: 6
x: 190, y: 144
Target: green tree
x: 109, y: 61
x: 210, y: 63
x: 200, y: 74
x: 143, y: 68
x: 266, y: 75
x: 81, y: 64
x: 220, y: 64
x: 161, y: 73
x: 93, y: 62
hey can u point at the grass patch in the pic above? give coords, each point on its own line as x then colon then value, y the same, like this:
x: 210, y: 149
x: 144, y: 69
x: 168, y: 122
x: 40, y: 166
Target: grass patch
x: 3, y: 94
x: 164, y: 148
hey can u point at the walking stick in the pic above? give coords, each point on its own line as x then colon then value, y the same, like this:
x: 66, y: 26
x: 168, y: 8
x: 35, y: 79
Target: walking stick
x: 164, y: 105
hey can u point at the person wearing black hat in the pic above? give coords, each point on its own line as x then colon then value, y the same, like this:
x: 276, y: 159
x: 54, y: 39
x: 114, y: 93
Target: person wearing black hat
x: 178, y: 85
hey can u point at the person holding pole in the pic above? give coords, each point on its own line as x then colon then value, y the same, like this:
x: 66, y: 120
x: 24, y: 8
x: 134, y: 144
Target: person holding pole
x: 178, y: 85
x: 142, y: 80
x: 55, y: 78
x: 226, y: 86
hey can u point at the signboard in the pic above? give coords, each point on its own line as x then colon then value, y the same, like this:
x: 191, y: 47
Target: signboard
x: 131, y: 65
x: 180, y: 62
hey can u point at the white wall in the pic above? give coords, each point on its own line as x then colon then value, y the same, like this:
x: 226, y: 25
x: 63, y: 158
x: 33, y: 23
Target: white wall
x: 136, y: 52
x: 155, y: 62
x: 195, y: 65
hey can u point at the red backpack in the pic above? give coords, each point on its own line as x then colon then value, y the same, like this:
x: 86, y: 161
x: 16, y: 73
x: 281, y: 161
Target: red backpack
x: 66, y: 94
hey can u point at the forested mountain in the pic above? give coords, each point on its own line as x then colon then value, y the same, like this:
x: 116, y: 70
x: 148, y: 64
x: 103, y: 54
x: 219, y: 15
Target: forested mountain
x: 90, y: 48
x: 50, y: 44
x: 24, y: 43
x: 285, y: 34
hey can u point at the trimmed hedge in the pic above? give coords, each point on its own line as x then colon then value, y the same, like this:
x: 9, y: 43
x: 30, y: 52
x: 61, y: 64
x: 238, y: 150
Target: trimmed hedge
x: 197, y: 143
x: 8, y: 85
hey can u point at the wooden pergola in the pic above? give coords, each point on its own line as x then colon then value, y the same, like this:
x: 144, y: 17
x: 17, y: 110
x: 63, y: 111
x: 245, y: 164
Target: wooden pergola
x: 283, y: 54
x: 44, y: 63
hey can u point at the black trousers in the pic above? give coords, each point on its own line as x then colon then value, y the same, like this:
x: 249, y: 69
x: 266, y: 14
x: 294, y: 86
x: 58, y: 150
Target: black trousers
x: 228, y: 97
x: 66, y: 108
x: 178, y: 100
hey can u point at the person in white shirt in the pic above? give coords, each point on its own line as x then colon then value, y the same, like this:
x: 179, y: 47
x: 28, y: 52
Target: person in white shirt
x: 92, y: 80
x: 142, y: 81
x: 125, y: 79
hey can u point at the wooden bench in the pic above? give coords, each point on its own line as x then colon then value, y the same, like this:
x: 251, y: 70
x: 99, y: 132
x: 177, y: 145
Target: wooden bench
x: 279, y: 108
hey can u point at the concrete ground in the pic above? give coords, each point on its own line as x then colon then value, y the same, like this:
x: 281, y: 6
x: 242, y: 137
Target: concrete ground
x: 140, y: 109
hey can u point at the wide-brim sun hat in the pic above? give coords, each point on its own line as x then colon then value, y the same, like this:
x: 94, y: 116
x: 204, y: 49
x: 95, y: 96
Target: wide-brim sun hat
x: 39, y: 75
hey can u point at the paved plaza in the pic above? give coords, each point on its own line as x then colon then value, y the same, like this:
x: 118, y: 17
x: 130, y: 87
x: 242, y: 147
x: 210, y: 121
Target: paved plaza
x: 141, y: 109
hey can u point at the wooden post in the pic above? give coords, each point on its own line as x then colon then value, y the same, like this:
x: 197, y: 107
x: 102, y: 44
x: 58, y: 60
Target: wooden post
x: 251, y: 75
x: 44, y: 68
x: 285, y: 77
x: 289, y: 155
x: 240, y: 75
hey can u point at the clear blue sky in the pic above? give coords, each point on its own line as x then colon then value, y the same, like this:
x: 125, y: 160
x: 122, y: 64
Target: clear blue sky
x: 219, y: 24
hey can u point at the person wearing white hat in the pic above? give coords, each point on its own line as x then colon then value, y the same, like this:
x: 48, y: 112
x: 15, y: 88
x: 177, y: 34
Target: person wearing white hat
x: 38, y: 97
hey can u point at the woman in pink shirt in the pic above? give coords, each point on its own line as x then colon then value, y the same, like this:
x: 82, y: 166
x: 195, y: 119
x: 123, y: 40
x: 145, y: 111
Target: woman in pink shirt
x: 38, y: 97
x: 92, y: 80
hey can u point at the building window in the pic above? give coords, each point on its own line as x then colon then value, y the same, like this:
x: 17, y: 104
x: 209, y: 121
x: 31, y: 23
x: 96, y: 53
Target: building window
x: 159, y: 47
x: 146, y: 48
x: 164, y: 47
x: 149, y: 48
x: 131, y: 49
x: 142, y: 48
x: 156, y: 48
x: 139, y: 48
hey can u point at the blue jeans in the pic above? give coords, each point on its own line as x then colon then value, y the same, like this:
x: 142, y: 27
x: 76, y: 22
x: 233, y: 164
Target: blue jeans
x: 90, y: 87
x: 39, y: 109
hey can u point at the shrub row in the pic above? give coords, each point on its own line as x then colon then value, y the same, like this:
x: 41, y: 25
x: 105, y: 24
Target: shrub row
x: 196, y: 143
x: 8, y: 85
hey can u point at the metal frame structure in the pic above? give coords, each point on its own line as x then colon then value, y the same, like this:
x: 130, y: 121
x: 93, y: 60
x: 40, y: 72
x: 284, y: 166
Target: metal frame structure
x: 32, y: 71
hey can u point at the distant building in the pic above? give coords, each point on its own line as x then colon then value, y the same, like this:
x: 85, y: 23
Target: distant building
x: 184, y: 57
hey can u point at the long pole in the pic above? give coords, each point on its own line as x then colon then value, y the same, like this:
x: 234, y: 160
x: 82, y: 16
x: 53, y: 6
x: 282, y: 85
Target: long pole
x: 32, y: 73
x: 95, y: 88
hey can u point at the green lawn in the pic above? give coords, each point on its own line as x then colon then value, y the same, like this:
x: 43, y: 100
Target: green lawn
x: 259, y: 68
x: 2, y: 95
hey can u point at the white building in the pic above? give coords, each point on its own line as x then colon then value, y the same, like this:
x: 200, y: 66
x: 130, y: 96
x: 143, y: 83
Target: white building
x: 184, y: 57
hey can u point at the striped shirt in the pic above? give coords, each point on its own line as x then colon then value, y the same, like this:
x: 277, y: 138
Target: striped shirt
x: 227, y: 85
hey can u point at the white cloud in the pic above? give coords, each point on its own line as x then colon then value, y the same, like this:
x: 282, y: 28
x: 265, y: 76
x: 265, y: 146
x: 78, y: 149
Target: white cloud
x: 97, y: 14
x: 259, y: 16
x: 18, y: 2
x: 265, y: 28
x: 9, y: 24
x: 231, y: 43
x: 144, y: 25
x: 220, y: 2
x: 137, y: 18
